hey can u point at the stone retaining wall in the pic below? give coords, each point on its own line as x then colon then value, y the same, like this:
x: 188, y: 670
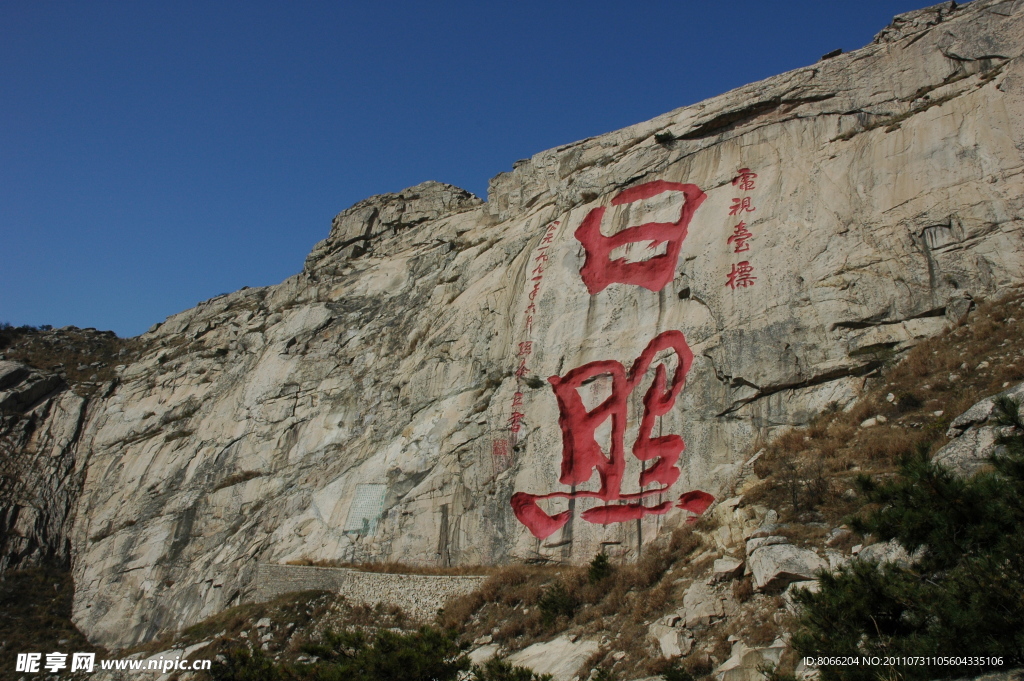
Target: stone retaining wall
x: 420, y: 596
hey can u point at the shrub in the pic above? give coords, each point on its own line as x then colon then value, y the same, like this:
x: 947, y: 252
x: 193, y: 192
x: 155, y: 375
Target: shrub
x: 965, y: 591
x: 677, y: 672
x: 555, y: 602
x: 907, y: 402
x: 425, y: 655
x: 771, y: 672
x: 241, y: 664
x: 497, y: 669
x: 9, y: 334
x: 600, y: 569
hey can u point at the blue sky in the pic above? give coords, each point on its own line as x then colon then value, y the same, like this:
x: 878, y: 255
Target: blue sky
x: 156, y: 154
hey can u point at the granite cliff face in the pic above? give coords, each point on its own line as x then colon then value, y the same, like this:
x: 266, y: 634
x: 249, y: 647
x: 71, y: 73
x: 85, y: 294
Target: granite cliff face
x: 756, y: 255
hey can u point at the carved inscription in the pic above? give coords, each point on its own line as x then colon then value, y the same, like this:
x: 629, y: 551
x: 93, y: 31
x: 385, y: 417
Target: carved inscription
x: 600, y: 270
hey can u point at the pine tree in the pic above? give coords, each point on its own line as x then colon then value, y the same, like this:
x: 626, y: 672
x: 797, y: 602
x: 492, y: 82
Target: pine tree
x: 964, y: 593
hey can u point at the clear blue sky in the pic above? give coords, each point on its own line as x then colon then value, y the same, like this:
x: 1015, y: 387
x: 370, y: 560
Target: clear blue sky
x: 155, y: 154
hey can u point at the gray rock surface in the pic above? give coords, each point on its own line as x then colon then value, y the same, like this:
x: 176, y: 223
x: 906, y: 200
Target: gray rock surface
x: 483, y: 653
x: 754, y: 543
x: 885, y: 552
x: 702, y: 604
x: 419, y: 596
x: 672, y: 641
x: 21, y: 387
x: 39, y: 473
x: 745, y: 663
x: 368, y: 224
x: 559, y: 657
x: 726, y: 568
x: 776, y: 565
x: 361, y: 409
x: 973, y: 435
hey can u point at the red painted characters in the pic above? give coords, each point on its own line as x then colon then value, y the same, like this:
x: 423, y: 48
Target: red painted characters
x: 741, y: 206
x: 582, y: 454
x: 600, y: 270
x: 741, y: 276
x: 740, y: 236
x: 525, y: 348
x: 745, y: 179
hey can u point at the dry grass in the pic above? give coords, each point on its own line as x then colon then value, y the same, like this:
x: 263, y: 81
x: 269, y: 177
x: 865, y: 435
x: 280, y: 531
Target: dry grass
x: 519, y: 605
x: 743, y: 589
x: 808, y: 473
x: 296, y: 619
x: 83, y: 356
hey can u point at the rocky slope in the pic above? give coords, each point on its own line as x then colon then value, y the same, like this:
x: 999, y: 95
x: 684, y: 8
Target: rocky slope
x: 716, y: 599
x: 751, y: 258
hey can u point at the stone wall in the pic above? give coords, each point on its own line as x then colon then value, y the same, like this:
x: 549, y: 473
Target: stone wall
x: 420, y: 596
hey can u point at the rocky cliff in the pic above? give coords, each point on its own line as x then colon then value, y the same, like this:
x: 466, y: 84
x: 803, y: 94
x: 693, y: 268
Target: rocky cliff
x: 440, y: 382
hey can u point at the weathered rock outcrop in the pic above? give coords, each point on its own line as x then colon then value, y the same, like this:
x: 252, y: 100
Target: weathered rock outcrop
x: 39, y: 474
x: 974, y: 433
x: 369, y: 223
x: 389, y: 401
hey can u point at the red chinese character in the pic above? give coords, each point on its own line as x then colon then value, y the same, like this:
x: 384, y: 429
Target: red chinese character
x: 741, y: 205
x: 582, y: 454
x: 740, y: 277
x: 499, y: 448
x: 517, y: 399
x: 745, y: 180
x: 739, y: 237
x: 516, y: 421
x: 599, y: 270
x: 525, y: 348
x: 521, y: 370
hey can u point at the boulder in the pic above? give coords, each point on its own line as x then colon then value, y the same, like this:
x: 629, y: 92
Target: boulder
x: 886, y: 552
x: 726, y: 568
x: 672, y: 641
x: 735, y: 523
x: 777, y: 565
x: 483, y: 653
x: 745, y: 663
x: 973, y: 435
x: 789, y: 595
x: 758, y: 542
x: 701, y: 605
x: 559, y: 657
